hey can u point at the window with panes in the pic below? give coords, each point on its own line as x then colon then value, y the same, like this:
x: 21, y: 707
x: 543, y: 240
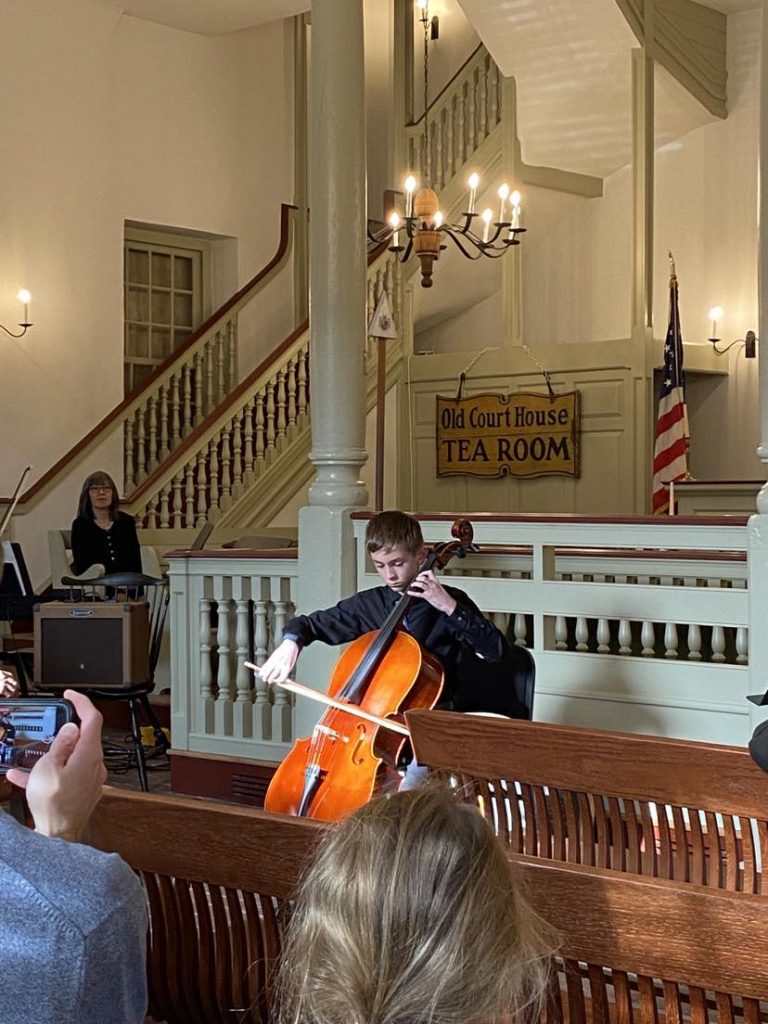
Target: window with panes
x: 164, y: 301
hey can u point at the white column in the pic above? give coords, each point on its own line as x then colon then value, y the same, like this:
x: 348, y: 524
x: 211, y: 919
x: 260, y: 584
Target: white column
x: 337, y: 253
x: 762, y: 256
x: 337, y: 325
x: 757, y: 530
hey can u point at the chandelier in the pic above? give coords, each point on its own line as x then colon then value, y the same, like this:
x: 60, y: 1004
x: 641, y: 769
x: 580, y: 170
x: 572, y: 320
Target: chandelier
x: 423, y: 230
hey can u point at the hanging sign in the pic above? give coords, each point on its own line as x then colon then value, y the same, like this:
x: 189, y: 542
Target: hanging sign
x: 523, y: 434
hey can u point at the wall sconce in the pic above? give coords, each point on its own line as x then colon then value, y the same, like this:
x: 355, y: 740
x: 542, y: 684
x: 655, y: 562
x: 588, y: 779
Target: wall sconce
x: 424, y: 18
x: 25, y: 298
x: 749, y: 341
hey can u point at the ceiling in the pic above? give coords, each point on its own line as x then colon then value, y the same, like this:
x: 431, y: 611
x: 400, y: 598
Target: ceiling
x: 211, y: 17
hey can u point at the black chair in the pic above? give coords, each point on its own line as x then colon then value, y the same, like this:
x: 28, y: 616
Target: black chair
x: 505, y: 688
x: 133, y: 586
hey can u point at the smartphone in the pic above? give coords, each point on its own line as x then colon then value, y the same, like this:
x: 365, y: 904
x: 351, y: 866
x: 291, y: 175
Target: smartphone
x: 27, y: 729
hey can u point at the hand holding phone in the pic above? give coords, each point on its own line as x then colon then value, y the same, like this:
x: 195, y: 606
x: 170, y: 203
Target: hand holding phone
x: 65, y: 784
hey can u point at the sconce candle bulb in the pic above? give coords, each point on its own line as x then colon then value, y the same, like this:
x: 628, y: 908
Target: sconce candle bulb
x: 24, y: 297
x: 715, y: 314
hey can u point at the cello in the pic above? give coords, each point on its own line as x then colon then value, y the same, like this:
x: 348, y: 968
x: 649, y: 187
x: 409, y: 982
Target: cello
x: 354, y: 748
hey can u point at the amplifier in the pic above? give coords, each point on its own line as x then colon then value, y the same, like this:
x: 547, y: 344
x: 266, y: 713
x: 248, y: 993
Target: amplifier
x: 99, y: 645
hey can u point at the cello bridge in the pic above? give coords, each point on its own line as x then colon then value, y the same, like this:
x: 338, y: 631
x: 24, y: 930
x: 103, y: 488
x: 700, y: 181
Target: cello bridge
x: 331, y: 733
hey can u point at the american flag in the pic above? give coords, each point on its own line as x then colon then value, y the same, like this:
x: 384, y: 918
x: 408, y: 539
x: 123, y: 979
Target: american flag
x: 670, y: 453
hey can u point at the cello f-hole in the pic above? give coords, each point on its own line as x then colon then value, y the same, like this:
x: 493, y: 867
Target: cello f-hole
x: 360, y: 742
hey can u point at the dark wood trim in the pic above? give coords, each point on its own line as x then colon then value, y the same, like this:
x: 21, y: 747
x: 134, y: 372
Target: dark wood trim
x: 235, y: 780
x: 235, y: 553
x: 566, y: 519
x: 282, y: 249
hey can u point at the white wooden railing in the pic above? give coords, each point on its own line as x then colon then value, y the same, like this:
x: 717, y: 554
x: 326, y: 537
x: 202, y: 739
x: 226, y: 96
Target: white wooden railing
x: 458, y: 121
x: 228, y: 608
x: 193, y: 382
x: 640, y: 625
x: 249, y: 431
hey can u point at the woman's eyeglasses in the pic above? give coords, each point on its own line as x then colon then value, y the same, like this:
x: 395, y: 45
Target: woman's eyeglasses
x: 100, y: 487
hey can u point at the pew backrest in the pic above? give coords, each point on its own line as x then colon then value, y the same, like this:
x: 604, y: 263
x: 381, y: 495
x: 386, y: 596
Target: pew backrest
x: 695, y: 812
x: 219, y: 880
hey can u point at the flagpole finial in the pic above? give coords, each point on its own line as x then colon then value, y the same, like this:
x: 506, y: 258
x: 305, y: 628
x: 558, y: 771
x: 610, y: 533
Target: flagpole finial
x: 672, y: 274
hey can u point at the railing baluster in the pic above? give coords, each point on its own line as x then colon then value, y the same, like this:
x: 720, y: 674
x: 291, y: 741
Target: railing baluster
x: 189, y: 494
x: 670, y: 640
x: 221, y: 366
x: 163, y: 404
x: 262, y: 711
x: 648, y: 639
x: 281, y: 420
x: 718, y: 643
x: 261, y: 444
x: 301, y: 387
x: 248, y: 474
x: 202, y: 489
x: 625, y: 636
x: 206, y: 670
x: 225, y: 497
x: 130, y: 470
x: 231, y: 353
x: 270, y: 421
x: 742, y: 645
x: 520, y: 630
x: 209, y: 370
x: 225, y: 695
x: 694, y: 642
x: 291, y: 408
x: 175, y: 413
x: 186, y: 400
x: 199, y: 411
x: 165, y: 514
x: 152, y: 414
x: 237, y: 456
x: 603, y: 636
x: 242, y: 723
x: 561, y: 633
x: 176, y: 503
x: 141, y: 447
x: 582, y: 633
x: 213, y: 479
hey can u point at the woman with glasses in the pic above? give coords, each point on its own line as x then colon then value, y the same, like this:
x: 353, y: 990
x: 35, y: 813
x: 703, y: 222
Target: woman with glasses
x: 101, y: 534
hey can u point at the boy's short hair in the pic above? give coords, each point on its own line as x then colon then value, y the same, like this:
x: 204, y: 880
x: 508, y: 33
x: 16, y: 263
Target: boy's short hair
x: 388, y: 530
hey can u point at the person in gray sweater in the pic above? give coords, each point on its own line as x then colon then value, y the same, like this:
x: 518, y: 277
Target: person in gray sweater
x: 73, y: 922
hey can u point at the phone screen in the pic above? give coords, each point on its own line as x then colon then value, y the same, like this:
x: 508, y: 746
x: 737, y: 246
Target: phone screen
x: 27, y: 729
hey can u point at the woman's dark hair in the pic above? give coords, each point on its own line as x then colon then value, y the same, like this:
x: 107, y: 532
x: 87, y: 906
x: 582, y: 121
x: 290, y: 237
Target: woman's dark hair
x: 98, y: 479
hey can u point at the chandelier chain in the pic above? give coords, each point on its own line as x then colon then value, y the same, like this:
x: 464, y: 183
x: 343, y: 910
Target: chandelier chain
x: 427, y: 160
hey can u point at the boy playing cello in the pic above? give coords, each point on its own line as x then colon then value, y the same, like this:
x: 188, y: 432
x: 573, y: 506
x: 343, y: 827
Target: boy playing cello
x: 444, y: 620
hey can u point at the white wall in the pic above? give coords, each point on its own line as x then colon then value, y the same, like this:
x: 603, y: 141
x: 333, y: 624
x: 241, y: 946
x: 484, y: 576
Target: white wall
x: 111, y: 119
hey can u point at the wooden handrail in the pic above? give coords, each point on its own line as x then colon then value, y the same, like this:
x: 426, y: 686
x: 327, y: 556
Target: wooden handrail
x: 567, y: 519
x: 282, y: 249
x: 447, y: 86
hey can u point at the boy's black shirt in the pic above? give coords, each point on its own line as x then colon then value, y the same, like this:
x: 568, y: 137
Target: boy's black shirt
x: 450, y: 637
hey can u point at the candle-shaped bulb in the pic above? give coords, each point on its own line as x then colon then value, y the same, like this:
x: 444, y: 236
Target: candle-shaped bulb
x: 715, y: 314
x: 438, y: 219
x: 25, y: 297
x: 515, y: 200
x: 503, y: 193
x: 410, y: 188
x: 394, y: 223
x: 422, y: 4
x: 487, y: 216
x: 474, y: 181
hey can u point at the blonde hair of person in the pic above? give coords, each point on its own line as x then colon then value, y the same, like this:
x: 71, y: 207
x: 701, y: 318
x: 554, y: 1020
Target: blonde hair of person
x: 413, y: 914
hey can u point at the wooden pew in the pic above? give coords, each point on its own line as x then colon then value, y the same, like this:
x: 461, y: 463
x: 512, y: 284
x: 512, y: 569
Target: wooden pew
x: 219, y: 879
x: 695, y: 812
